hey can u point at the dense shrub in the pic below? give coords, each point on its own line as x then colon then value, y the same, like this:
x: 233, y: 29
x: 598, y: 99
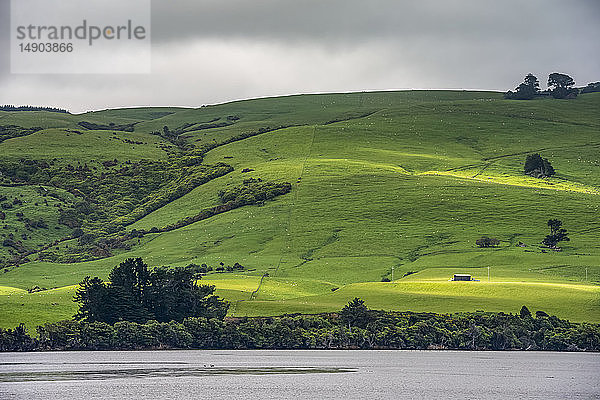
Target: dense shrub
x: 107, y: 127
x: 538, y: 167
x: 253, y: 190
x: 485, y: 241
x: 13, y: 131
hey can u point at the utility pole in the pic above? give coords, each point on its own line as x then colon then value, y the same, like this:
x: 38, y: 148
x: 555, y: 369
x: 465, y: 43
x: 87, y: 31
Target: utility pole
x: 488, y: 274
x: 586, y: 274
x: 393, y: 273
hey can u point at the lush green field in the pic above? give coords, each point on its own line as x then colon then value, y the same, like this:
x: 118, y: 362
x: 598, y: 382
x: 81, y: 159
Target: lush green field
x: 402, y: 181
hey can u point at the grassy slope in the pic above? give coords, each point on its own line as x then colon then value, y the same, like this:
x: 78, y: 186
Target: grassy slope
x: 35, y: 206
x: 409, y: 187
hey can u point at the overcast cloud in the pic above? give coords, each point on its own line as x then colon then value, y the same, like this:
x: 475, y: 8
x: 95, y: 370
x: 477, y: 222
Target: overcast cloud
x: 209, y: 51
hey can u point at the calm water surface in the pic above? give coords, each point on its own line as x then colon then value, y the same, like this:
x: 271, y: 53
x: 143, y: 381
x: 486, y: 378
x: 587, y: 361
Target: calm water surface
x: 298, y: 375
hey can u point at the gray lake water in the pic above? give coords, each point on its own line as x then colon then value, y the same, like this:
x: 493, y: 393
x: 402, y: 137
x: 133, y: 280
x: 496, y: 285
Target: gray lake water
x: 299, y: 375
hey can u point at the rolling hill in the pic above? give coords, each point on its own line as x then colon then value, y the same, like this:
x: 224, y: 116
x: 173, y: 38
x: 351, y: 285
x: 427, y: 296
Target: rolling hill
x: 384, y: 186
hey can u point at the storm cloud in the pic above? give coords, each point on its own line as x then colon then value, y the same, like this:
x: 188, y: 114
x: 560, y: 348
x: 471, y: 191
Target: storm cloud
x: 213, y: 51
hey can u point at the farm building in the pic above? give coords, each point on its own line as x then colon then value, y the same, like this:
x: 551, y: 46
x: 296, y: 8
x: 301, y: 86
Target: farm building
x: 462, y: 277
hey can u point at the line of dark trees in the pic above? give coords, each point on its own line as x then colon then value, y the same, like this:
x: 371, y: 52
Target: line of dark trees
x: 560, y: 86
x: 591, y: 88
x: 8, y: 107
x: 107, y: 127
x: 355, y: 327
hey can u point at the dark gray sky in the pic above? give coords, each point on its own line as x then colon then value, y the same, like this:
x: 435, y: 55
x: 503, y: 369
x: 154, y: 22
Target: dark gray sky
x: 209, y: 51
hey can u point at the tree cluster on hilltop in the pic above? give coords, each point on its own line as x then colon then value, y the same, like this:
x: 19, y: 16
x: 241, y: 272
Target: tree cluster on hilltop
x: 526, y: 90
x: 591, y: 87
x: 560, y: 86
x: 8, y: 107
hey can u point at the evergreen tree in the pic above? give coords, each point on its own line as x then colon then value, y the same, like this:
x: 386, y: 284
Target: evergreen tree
x: 355, y: 313
x: 173, y: 295
x: 525, y: 313
x: 132, y: 276
x: 93, y: 298
x: 137, y: 294
x: 526, y: 90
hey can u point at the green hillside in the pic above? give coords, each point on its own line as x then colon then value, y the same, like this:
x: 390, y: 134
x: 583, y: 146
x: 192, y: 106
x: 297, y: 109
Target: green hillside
x: 380, y: 182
